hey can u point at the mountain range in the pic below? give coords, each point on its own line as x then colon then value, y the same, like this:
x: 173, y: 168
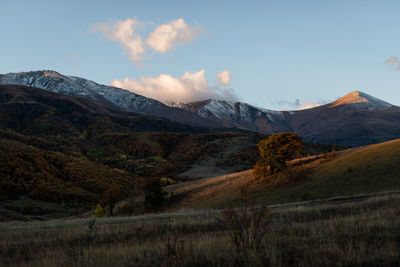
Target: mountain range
x: 354, y: 120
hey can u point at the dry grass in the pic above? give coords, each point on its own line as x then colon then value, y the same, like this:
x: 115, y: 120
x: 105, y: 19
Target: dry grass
x: 349, y: 233
x: 365, y: 170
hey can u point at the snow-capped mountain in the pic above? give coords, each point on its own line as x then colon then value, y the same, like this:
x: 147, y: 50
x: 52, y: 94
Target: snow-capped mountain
x: 74, y: 86
x: 102, y: 94
x: 355, y: 119
x: 239, y: 114
x: 361, y: 100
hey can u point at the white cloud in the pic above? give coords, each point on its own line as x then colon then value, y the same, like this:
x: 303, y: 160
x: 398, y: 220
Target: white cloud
x: 166, y: 88
x: 393, y: 61
x: 300, y: 105
x: 166, y: 36
x: 125, y: 33
x: 308, y: 104
x: 224, y: 78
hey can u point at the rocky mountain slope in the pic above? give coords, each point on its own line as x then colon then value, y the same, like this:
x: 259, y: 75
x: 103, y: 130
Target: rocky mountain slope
x: 354, y: 120
x: 108, y: 96
x: 239, y: 114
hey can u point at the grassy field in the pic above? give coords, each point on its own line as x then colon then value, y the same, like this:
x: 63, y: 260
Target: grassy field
x: 365, y: 170
x: 358, y: 232
x: 332, y: 211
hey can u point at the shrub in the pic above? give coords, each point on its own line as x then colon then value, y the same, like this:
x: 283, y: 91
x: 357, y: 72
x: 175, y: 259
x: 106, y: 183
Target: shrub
x: 127, y: 208
x: 99, y: 211
x: 111, y: 196
x: 329, y: 156
x: 154, y: 193
x: 247, y: 225
x: 167, y: 181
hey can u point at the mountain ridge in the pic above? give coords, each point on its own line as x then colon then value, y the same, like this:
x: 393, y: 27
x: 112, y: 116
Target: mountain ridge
x: 361, y: 100
x: 102, y: 94
x: 355, y: 119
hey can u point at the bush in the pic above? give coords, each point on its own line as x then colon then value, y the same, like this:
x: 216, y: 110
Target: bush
x: 111, y: 196
x: 247, y: 225
x: 167, y: 181
x: 99, y: 211
x: 154, y: 193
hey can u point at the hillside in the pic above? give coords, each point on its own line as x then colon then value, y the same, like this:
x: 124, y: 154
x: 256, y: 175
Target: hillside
x: 71, y: 151
x: 355, y: 119
x: 365, y: 170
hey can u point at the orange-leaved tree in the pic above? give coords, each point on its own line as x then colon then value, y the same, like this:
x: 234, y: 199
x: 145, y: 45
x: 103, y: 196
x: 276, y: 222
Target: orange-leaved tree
x: 275, y: 151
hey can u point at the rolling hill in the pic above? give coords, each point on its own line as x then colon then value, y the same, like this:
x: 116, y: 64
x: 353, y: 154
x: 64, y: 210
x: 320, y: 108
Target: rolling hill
x: 68, y: 149
x: 366, y: 170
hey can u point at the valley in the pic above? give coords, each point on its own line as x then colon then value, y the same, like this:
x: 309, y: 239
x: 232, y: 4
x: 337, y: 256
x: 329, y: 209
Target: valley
x: 71, y: 157
x: 199, y: 133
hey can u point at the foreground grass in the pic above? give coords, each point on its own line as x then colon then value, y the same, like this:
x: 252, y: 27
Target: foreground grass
x: 349, y: 233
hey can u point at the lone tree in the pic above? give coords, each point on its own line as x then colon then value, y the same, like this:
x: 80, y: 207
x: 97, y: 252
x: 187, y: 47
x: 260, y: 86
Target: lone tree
x: 111, y: 196
x: 275, y: 151
x: 154, y: 193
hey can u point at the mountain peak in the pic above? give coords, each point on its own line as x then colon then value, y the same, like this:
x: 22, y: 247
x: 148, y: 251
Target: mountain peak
x: 358, y: 99
x: 51, y: 73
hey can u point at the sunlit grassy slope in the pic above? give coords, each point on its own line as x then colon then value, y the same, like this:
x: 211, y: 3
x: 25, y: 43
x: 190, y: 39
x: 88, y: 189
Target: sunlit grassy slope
x: 366, y: 170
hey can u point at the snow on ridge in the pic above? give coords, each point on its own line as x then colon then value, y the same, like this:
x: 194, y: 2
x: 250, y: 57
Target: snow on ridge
x: 223, y: 110
x: 232, y: 111
x: 359, y: 99
x: 75, y: 86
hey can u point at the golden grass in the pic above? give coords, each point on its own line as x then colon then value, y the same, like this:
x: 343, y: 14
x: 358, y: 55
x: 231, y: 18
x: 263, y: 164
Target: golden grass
x: 351, y: 233
x: 366, y: 170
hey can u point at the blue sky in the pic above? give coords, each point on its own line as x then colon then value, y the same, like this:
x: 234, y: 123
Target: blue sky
x: 275, y: 51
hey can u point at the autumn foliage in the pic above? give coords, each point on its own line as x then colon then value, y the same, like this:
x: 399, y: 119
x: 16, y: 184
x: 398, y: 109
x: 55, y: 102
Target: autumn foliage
x: 275, y: 151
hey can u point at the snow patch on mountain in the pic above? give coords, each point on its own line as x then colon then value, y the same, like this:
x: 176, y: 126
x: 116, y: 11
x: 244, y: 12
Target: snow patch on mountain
x: 230, y: 111
x: 223, y: 110
x: 361, y: 100
x: 69, y: 85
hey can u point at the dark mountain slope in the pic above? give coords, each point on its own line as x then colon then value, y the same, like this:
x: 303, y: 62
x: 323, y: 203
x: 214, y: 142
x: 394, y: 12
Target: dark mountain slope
x: 348, y: 123
x: 107, y: 96
x: 34, y: 111
x: 354, y: 120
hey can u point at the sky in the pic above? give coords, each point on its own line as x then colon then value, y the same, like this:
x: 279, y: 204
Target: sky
x: 272, y: 54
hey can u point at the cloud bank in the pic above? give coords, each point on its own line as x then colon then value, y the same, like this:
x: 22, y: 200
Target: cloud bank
x: 164, y: 38
x: 308, y: 104
x: 168, y: 89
